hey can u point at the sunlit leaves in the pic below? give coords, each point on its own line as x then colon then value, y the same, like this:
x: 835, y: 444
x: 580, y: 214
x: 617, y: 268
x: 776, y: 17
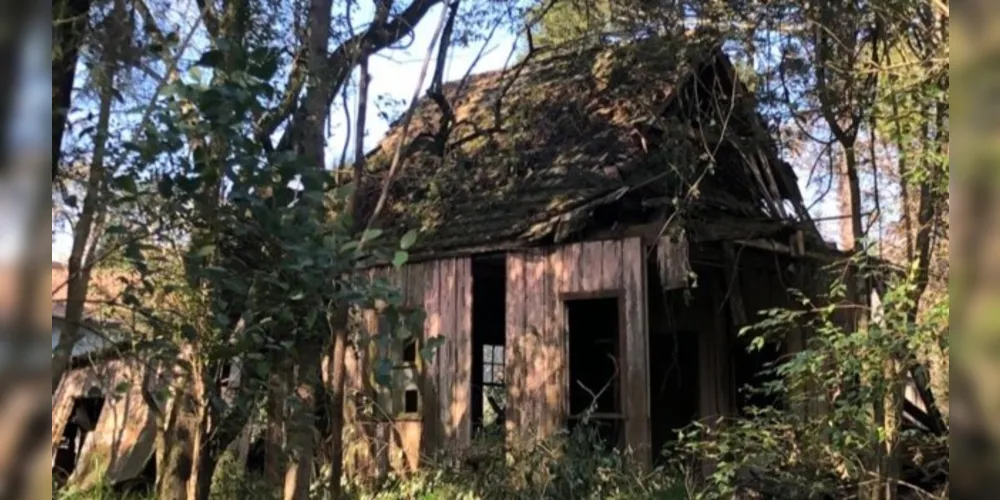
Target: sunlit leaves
x: 408, y: 239
x: 399, y: 258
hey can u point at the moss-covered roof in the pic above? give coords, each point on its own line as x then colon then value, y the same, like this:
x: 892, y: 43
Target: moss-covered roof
x: 573, y: 134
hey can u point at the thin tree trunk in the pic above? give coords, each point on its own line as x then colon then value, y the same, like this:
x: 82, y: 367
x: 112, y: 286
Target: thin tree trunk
x: 69, y: 30
x: 847, y: 239
x: 854, y: 188
x: 275, y: 414
x: 340, y: 319
x: 302, y: 415
x: 78, y: 270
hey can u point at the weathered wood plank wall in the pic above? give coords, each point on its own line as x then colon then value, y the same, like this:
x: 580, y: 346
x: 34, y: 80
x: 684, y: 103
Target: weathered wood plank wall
x: 444, y: 289
x: 122, y: 438
x: 537, y: 341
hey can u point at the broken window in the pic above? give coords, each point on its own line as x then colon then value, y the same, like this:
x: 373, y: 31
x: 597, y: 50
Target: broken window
x: 594, y: 367
x: 402, y: 397
x: 493, y: 397
x: 489, y: 394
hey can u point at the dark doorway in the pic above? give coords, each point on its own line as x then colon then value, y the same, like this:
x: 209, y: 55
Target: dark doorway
x: 673, y: 366
x: 82, y: 421
x: 489, y: 308
x: 595, y: 366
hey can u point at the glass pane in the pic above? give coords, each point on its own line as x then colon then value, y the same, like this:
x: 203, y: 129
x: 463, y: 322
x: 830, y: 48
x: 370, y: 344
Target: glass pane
x: 498, y: 354
x: 498, y: 374
x: 487, y: 354
x: 487, y: 374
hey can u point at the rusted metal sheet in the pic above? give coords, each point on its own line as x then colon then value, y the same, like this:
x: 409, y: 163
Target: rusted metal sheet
x: 537, y: 342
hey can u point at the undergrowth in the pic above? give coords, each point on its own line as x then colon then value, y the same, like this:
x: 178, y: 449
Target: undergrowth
x: 569, y: 466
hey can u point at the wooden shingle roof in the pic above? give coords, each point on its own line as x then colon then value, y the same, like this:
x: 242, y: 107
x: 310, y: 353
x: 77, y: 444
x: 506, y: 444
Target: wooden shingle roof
x: 534, y: 149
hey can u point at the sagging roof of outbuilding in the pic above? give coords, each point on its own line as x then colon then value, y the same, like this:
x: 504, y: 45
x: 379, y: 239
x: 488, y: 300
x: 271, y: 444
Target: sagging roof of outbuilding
x: 534, y: 149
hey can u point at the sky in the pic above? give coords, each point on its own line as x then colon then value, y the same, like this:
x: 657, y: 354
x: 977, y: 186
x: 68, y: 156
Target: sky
x: 396, y: 74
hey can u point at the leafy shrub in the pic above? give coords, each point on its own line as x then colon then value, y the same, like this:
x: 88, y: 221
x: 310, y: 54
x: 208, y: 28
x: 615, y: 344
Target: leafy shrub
x: 842, y: 411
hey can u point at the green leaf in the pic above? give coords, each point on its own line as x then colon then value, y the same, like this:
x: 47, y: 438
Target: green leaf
x: 205, y: 251
x: 408, y: 239
x: 431, y: 346
x: 264, y: 63
x: 166, y: 186
x: 127, y: 184
x: 211, y: 59
x: 400, y: 258
x: 371, y: 234
x: 403, y: 332
x: 415, y: 320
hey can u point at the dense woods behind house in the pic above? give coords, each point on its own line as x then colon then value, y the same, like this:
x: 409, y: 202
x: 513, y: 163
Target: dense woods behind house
x: 503, y: 249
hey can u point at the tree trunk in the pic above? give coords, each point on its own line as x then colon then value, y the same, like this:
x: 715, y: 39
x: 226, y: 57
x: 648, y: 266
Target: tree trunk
x: 854, y: 189
x: 80, y: 259
x: 302, y: 415
x: 275, y: 414
x: 338, y: 372
x: 175, y: 447
x: 300, y: 427
x: 67, y: 37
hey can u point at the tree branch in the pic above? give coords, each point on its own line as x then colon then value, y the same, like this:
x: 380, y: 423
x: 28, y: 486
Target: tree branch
x: 209, y: 17
x: 346, y: 56
x: 407, y: 118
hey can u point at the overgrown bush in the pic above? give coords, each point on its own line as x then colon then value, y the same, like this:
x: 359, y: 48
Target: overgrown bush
x: 839, y: 432
x: 570, y: 465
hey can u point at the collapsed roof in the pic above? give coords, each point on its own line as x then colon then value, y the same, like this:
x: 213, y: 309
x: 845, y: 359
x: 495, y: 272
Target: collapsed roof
x: 534, y: 153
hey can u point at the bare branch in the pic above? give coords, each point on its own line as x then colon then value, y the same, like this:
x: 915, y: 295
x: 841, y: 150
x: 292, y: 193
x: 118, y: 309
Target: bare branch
x: 407, y: 118
x: 209, y: 17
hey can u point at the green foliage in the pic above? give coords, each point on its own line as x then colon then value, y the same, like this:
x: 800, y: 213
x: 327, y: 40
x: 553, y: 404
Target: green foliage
x: 263, y: 271
x: 99, y: 491
x: 822, y: 440
x: 567, y: 466
x: 571, y: 21
x: 232, y: 482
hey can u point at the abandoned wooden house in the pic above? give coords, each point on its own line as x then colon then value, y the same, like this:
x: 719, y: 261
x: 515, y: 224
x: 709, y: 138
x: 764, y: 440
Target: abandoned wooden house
x: 597, y: 226
x: 101, y: 426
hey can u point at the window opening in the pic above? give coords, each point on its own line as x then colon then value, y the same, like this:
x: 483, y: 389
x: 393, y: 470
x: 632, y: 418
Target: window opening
x: 595, y: 366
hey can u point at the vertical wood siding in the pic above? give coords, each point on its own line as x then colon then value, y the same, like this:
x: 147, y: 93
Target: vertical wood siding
x: 537, y: 342
x: 443, y: 288
x: 124, y: 430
